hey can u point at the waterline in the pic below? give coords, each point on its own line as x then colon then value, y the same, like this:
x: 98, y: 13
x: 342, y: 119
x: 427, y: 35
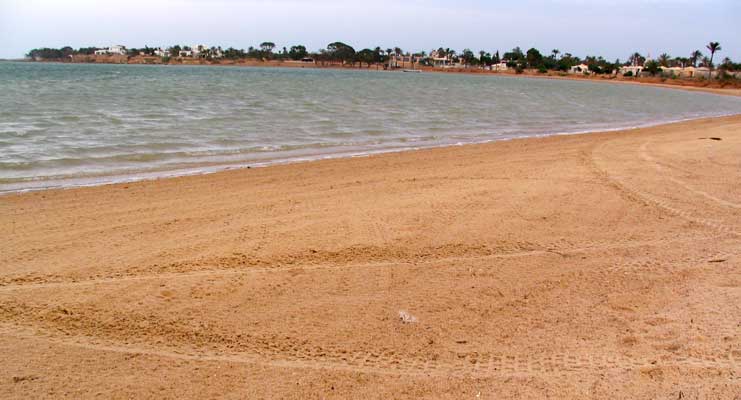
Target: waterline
x: 77, y: 125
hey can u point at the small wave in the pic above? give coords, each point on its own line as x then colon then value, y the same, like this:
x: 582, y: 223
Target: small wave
x: 181, y: 119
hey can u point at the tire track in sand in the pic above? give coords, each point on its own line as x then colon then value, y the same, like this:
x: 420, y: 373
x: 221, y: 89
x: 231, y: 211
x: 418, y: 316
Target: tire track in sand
x: 660, y: 168
x: 646, y: 198
x: 215, y: 271
x: 475, y: 364
x: 24, y: 322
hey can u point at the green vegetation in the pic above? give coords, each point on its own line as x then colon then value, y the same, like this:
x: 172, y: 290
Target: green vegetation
x: 297, y: 52
x: 652, y: 67
x: 344, y: 54
x: 53, y: 54
x: 338, y: 51
x: 234, y: 54
x: 366, y: 56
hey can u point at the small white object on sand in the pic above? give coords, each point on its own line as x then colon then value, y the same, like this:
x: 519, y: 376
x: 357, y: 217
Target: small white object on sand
x: 407, y: 318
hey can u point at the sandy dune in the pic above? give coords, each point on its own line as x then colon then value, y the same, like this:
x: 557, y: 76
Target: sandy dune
x: 590, y: 266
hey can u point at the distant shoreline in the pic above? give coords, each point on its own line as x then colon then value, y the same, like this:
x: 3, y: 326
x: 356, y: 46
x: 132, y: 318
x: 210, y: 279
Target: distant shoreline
x: 727, y: 88
x: 208, y: 168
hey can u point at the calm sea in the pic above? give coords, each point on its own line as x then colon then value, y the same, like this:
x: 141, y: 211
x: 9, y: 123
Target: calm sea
x: 64, y: 125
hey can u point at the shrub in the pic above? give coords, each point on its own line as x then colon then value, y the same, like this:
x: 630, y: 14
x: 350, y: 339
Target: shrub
x: 543, y: 70
x: 723, y: 75
x: 652, y: 67
x: 628, y: 74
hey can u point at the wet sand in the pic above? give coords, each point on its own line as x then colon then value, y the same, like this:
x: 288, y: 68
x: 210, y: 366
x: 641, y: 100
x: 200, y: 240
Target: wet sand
x: 587, y: 266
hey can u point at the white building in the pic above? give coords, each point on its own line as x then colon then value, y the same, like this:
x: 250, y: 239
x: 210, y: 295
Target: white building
x: 201, y: 50
x: 216, y: 52
x: 112, y: 50
x: 679, y: 72
x: 501, y: 66
x: 440, y: 60
x: 579, y: 69
x: 192, y: 51
x: 198, y: 49
x: 634, y: 70
x: 403, y: 61
x: 698, y: 72
x: 160, y: 52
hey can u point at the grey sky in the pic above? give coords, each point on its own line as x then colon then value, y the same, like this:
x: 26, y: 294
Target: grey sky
x: 578, y: 26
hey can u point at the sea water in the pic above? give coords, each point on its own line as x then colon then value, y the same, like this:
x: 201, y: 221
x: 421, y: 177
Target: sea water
x: 80, y: 124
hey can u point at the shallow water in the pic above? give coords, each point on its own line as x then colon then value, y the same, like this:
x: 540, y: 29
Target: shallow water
x: 65, y: 124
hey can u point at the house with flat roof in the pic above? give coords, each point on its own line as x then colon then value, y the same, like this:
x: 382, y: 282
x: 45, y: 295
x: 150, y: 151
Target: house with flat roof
x: 440, y: 60
x: 160, y: 52
x: 698, y: 72
x: 579, y: 69
x: 500, y: 66
x: 404, y: 61
x: 202, y: 51
x: 634, y: 70
x: 112, y: 50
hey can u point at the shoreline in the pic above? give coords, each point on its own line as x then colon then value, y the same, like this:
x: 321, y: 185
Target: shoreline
x: 560, y: 266
x: 683, y: 84
x: 205, y: 168
x: 735, y: 92
x: 216, y: 168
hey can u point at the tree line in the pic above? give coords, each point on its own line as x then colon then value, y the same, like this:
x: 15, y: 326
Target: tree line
x: 340, y: 52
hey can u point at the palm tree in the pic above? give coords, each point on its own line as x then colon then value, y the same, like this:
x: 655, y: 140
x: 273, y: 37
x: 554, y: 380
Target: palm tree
x: 727, y: 62
x: 695, y: 57
x: 555, y: 53
x: 398, y: 51
x: 713, y: 47
x: 664, y: 60
x: 682, y: 61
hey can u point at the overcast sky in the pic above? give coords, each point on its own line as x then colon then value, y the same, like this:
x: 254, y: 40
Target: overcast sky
x: 582, y: 27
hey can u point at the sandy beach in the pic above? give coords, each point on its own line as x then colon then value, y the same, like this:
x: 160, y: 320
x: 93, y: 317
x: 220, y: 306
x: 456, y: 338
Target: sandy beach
x: 602, y: 266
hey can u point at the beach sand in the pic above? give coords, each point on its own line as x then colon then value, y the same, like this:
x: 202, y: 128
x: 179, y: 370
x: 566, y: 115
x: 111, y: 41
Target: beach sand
x: 586, y: 266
